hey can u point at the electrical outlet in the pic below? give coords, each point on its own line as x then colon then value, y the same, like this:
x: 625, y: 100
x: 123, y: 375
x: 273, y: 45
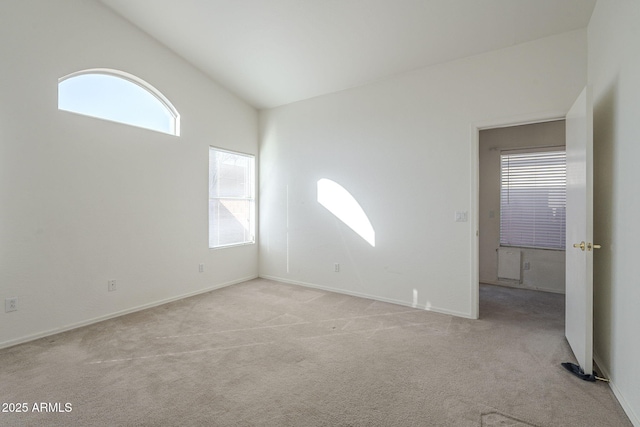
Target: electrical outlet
x: 336, y: 267
x: 111, y: 285
x: 201, y: 268
x: 10, y: 304
x: 527, y: 266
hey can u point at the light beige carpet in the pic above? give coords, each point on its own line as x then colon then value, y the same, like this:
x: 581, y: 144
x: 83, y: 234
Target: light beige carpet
x: 264, y: 353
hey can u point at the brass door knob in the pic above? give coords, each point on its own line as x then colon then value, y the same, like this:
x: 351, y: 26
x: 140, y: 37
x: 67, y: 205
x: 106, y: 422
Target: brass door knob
x: 580, y: 245
x: 594, y: 246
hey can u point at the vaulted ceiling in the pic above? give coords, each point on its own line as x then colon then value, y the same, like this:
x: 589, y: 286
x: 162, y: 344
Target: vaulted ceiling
x: 274, y: 52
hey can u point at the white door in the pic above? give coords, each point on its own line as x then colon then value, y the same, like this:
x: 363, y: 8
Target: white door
x: 579, y: 244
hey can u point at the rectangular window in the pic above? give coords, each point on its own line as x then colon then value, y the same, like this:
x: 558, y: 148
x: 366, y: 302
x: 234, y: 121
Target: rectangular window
x: 231, y: 198
x: 533, y: 199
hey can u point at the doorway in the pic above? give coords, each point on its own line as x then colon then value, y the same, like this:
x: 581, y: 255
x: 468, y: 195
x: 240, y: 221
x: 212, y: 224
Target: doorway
x: 518, y: 267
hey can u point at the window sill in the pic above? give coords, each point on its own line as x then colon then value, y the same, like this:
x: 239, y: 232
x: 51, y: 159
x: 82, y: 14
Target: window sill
x: 233, y: 245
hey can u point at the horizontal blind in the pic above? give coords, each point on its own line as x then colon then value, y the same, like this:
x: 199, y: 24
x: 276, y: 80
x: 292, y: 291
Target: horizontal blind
x: 533, y: 199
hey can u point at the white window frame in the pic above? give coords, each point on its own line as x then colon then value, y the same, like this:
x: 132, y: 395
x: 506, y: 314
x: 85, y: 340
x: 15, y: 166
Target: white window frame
x: 249, y: 196
x: 537, y: 222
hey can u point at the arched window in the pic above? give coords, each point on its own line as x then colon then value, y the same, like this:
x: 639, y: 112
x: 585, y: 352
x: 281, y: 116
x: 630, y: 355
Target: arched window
x: 119, y: 97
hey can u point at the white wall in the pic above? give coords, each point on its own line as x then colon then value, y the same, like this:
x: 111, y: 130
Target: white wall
x: 406, y: 150
x: 614, y: 72
x: 84, y: 201
x: 546, y: 267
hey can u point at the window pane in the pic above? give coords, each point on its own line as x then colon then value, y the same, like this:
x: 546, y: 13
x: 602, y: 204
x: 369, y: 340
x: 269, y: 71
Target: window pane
x: 230, y: 174
x: 118, y: 99
x: 229, y: 222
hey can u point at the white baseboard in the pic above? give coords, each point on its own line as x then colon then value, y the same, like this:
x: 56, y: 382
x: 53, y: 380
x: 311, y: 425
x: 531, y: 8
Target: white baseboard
x: 368, y: 296
x: 65, y: 328
x: 626, y: 407
x: 520, y: 286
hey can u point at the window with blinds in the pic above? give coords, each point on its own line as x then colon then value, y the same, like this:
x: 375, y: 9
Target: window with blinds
x: 231, y: 198
x: 533, y: 199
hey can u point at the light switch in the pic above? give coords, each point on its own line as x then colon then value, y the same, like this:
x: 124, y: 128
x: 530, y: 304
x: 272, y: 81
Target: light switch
x: 461, y: 216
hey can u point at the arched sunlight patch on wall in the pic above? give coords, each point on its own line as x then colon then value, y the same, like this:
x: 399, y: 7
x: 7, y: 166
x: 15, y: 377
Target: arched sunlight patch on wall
x: 344, y: 206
